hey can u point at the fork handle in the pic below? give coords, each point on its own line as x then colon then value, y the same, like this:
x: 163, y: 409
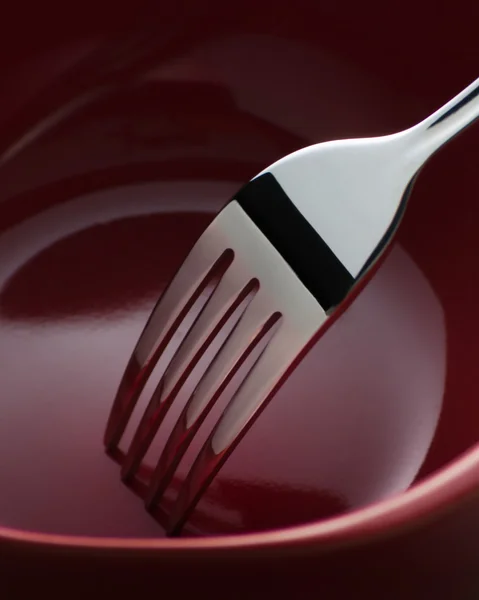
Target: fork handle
x: 448, y: 121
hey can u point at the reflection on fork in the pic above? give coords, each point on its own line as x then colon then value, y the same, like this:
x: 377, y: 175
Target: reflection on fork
x: 231, y: 498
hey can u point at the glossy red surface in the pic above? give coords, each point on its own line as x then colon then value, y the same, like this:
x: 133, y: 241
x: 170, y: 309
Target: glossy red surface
x: 118, y: 141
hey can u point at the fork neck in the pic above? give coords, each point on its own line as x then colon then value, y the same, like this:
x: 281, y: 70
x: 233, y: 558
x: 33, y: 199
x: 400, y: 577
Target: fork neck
x: 435, y: 131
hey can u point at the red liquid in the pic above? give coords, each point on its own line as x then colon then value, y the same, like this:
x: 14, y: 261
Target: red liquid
x: 115, y: 195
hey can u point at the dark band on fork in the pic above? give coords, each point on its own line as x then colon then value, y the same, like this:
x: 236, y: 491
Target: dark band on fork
x: 313, y: 261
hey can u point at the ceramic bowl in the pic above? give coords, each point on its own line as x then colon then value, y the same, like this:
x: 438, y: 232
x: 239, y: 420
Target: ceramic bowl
x: 119, y: 139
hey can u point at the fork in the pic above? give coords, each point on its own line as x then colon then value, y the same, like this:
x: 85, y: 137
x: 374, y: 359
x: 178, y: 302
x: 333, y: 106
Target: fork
x: 282, y: 257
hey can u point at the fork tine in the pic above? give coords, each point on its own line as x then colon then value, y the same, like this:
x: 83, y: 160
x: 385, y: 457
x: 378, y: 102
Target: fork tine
x: 225, y: 300
x: 251, y: 398
x: 248, y: 332
x: 200, y: 267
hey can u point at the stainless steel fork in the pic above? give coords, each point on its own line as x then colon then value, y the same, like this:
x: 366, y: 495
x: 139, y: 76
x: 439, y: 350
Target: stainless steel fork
x: 285, y: 253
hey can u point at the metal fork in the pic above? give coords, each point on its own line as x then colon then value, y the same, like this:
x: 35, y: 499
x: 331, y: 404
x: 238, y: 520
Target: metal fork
x: 286, y: 253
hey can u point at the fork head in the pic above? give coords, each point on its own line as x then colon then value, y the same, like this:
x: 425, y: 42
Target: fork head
x: 271, y: 281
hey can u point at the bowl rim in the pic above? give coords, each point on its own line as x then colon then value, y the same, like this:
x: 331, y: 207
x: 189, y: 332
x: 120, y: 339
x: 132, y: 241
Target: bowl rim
x: 441, y: 491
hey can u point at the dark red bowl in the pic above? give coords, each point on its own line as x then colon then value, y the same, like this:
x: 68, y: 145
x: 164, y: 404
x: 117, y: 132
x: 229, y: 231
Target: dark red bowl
x: 122, y: 130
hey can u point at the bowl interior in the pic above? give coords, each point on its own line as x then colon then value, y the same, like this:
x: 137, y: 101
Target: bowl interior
x: 112, y: 164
